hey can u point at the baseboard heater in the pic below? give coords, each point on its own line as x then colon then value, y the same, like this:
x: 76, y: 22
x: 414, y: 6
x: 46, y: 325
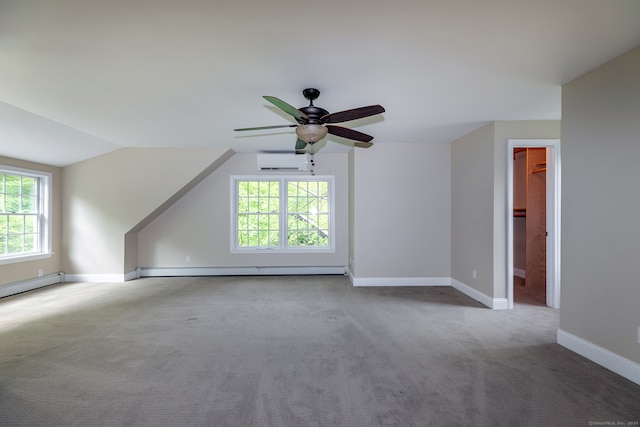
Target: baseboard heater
x: 30, y: 284
x: 240, y: 271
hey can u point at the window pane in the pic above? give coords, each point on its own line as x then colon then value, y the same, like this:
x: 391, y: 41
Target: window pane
x: 14, y: 242
x: 30, y: 242
x: 264, y: 237
x: 274, y: 222
x: 263, y: 222
x: 308, y: 213
x: 253, y: 238
x: 28, y: 204
x: 292, y: 190
x: 12, y: 184
x: 243, y: 238
x: 243, y: 189
x: 30, y: 224
x: 265, y: 188
x: 323, y: 222
x: 254, y: 204
x: 12, y: 203
x: 275, y: 188
x: 243, y: 205
x: 29, y: 187
x: 292, y: 203
x: 252, y: 222
x: 263, y: 205
x: 258, y: 204
x: 242, y: 222
x: 16, y: 224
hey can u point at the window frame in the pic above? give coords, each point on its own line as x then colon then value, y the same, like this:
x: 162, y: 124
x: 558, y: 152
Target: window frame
x: 283, y: 215
x: 44, y: 180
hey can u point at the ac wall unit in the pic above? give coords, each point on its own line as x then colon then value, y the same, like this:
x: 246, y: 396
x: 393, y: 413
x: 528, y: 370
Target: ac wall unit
x: 286, y: 162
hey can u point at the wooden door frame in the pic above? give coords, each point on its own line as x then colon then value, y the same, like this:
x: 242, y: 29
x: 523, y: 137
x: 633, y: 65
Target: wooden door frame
x: 552, y: 214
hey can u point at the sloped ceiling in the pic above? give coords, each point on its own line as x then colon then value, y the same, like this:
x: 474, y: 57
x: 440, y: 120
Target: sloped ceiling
x: 83, y: 77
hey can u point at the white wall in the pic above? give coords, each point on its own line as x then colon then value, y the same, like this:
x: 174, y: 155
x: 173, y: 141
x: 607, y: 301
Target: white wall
x: 401, y: 215
x: 472, y: 207
x: 106, y: 196
x: 600, y: 206
x: 479, y: 194
x: 198, y: 225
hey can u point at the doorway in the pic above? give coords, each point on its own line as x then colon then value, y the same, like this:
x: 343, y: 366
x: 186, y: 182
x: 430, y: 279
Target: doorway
x: 534, y: 226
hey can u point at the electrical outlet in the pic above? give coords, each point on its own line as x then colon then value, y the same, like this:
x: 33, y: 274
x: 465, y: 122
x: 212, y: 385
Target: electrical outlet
x: 474, y: 273
x: 638, y: 334
x: 40, y: 272
x: 188, y: 259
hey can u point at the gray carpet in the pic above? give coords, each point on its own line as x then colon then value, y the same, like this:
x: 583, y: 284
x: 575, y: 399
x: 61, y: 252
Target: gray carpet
x: 291, y: 351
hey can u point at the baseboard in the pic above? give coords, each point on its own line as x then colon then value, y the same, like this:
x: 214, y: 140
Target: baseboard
x: 239, y: 271
x: 493, y: 303
x: 202, y: 271
x: 30, y: 284
x: 132, y: 275
x: 603, y: 357
x: 400, y: 281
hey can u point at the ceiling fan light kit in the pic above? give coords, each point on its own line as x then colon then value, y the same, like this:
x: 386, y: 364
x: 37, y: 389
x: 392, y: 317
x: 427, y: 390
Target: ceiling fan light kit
x: 312, y: 121
x: 311, y: 133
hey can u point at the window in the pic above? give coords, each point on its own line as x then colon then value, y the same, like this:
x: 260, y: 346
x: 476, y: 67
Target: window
x: 282, y: 214
x: 24, y: 214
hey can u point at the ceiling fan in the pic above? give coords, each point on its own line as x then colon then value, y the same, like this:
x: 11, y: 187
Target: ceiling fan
x: 314, y: 123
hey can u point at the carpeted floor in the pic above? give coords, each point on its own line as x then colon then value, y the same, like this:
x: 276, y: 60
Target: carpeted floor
x: 291, y: 351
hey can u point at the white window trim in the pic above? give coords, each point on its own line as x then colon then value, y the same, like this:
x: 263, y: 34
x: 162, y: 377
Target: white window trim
x: 45, y: 179
x: 234, y: 249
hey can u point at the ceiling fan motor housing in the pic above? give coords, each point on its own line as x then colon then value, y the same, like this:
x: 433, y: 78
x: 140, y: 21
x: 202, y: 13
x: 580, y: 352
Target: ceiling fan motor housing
x: 314, y: 113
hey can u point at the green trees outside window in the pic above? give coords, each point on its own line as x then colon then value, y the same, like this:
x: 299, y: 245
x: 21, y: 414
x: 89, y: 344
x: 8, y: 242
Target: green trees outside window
x: 308, y: 213
x: 258, y: 213
x: 19, y: 214
x: 283, y: 213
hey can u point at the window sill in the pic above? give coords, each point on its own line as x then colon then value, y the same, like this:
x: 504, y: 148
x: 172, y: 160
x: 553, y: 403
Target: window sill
x: 282, y: 251
x: 25, y: 258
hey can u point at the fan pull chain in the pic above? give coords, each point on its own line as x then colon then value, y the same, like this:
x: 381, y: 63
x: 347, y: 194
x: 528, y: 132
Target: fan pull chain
x: 312, y: 163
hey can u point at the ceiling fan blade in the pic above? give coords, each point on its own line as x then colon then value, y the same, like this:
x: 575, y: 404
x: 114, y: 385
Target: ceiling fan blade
x: 290, y: 109
x: 267, y: 127
x: 356, y: 113
x: 349, y: 133
x: 362, y: 144
x: 300, y: 144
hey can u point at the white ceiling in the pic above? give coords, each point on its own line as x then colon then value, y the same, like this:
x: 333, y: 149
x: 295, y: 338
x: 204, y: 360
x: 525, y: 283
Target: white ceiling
x: 79, y: 78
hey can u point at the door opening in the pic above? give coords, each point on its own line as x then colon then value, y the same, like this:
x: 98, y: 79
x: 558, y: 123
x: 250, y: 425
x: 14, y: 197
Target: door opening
x: 529, y: 225
x: 533, y: 225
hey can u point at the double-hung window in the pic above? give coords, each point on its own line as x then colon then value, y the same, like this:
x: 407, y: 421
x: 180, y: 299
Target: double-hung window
x: 282, y: 214
x: 24, y: 214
